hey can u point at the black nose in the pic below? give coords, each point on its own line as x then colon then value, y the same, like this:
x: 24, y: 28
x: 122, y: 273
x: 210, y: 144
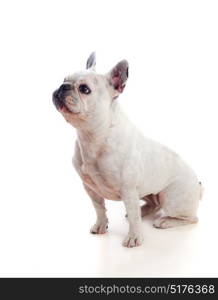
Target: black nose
x: 60, y: 93
x: 64, y: 87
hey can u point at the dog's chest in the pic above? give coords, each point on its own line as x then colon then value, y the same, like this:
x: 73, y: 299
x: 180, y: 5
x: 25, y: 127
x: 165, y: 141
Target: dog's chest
x: 101, y: 174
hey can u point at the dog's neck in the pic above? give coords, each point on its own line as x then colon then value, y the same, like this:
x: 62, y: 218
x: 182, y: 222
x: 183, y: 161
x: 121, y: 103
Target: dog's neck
x: 93, y: 136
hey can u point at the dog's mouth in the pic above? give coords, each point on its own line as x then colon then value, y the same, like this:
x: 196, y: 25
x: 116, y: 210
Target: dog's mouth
x: 63, y: 108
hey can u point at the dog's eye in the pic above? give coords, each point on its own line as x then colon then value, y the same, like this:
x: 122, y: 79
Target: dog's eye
x: 84, y: 89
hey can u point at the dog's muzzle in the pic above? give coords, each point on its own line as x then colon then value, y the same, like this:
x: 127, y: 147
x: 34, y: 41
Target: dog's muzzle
x: 60, y: 94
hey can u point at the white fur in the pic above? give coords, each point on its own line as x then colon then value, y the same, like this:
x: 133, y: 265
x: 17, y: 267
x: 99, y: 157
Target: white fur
x: 115, y: 161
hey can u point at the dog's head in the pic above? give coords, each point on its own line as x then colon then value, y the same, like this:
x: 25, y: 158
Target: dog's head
x: 86, y: 95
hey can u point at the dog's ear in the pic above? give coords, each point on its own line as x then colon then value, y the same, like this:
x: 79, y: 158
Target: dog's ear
x: 91, y: 61
x: 118, y: 76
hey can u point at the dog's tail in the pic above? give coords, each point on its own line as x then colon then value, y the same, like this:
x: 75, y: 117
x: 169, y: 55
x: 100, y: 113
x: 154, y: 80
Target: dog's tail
x: 201, y: 190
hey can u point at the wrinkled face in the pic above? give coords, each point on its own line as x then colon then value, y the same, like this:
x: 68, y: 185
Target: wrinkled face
x: 79, y: 93
x: 86, y: 94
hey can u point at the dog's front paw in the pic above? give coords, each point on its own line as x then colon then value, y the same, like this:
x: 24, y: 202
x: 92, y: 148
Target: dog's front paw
x: 133, y: 240
x: 99, y: 228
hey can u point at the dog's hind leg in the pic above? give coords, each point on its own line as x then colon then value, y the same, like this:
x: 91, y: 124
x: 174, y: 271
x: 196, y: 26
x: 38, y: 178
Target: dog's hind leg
x: 168, y: 222
x: 179, y: 202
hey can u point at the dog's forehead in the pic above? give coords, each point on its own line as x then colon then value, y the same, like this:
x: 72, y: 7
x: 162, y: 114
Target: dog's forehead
x: 81, y: 76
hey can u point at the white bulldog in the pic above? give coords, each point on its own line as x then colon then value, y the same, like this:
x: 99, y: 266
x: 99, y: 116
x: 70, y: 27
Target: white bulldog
x: 115, y: 161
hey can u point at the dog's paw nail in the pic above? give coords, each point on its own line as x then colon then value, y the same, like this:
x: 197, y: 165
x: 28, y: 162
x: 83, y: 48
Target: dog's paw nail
x: 161, y: 223
x: 133, y: 241
x: 158, y: 226
x: 99, y: 228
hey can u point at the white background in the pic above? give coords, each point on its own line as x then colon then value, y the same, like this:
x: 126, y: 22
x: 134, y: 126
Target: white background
x: 171, y: 95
